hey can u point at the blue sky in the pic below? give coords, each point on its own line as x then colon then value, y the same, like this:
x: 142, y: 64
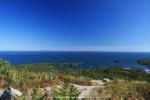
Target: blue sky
x: 75, y: 25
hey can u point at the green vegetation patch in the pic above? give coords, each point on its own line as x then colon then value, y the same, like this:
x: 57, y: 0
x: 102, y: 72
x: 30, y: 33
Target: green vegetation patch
x: 144, y: 62
x: 45, y: 67
x: 111, y: 73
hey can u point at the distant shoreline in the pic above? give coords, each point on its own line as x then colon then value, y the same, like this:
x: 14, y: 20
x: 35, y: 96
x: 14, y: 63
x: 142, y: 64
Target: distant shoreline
x: 87, y: 59
x: 73, y: 51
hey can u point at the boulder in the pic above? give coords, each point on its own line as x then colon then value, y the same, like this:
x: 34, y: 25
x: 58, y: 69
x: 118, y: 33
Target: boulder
x: 106, y: 80
x: 97, y: 82
x: 46, y: 90
x: 10, y: 94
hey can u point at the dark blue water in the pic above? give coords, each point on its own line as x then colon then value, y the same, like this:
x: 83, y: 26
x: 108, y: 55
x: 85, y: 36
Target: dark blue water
x: 86, y: 59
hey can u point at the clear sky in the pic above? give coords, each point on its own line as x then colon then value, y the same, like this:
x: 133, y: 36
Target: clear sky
x: 83, y: 25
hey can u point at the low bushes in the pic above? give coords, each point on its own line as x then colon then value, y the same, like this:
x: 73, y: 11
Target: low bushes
x: 24, y: 79
x: 67, y: 92
x: 124, y: 89
x: 110, y: 73
x: 76, y: 80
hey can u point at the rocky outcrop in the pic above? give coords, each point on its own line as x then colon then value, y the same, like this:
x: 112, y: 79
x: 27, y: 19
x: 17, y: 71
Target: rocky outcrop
x: 9, y: 94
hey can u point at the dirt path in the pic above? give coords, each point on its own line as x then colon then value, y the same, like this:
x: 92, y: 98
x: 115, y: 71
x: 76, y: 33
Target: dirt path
x: 86, y: 90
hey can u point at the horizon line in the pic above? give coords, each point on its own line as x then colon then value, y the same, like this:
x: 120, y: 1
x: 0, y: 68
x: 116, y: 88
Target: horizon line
x: 66, y: 51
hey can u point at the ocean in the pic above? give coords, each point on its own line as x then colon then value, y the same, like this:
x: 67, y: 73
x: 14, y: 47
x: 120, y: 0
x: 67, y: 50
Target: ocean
x: 86, y: 59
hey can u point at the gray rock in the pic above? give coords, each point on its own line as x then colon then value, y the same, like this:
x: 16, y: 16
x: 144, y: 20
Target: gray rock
x: 106, y: 80
x: 10, y: 94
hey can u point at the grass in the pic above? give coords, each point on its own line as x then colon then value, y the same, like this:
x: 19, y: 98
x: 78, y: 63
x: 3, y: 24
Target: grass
x: 122, y: 90
x: 125, y: 89
x: 24, y: 79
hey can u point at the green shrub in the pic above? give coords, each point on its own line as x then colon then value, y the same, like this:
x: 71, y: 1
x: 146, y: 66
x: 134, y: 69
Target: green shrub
x: 72, y: 79
x: 67, y: 92
x: 23, y: 97
x: 36, y: 95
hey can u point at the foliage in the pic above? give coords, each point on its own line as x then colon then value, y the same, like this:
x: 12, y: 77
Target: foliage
x: 111, y: 73
x: 67, y: 92
x: 23, y: 97
x: 36, y: 95
x: 24, y: 79
x: 45, y: 67
x: 4, y: 63
x: 117, y: 89
x: 144, y: 62
x: 50, y: 68
x: 4, y: 67
x: 124, y: 89
x: 47, y: 75
x: 76, y: 80
x: 93, y: 73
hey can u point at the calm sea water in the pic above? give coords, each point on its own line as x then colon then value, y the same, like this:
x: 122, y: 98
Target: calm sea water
x: 86, y: 59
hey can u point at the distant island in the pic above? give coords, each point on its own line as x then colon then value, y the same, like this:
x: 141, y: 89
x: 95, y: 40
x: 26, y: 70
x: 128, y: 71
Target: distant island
x: 144, y: 62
